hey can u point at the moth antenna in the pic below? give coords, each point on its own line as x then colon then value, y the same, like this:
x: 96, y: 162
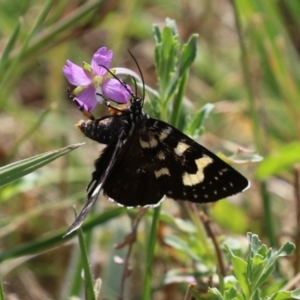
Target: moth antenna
x: 141, y: 74
x: 122, y: 82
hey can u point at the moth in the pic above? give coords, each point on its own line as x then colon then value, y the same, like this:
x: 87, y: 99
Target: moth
x: 146, y: 160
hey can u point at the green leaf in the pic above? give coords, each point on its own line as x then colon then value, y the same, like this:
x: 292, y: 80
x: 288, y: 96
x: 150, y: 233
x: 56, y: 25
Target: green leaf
x: 295, y: 294
x: 212, y: 294
x: 240, y: 271
x: 179, y: 244
x: 157, y: 33
x: 185, y: 225
x: 21, y: 168
x: 172, y: 24
x: 261, y: 260
x: 188, y: 54
x: 215, y: 291
x: 194, y: 127
x: 9, y: 46
x: 256, y: 272
x: 285, y: 157
x: 285, y: 250
x: 166, y: 57
x: 254, y: 243
x: 231, y: 294
x: 256, y: 296
x: 57, y: 238
x: 285, y: 295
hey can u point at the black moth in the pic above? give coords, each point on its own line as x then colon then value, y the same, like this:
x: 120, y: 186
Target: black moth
x: 147, y: 159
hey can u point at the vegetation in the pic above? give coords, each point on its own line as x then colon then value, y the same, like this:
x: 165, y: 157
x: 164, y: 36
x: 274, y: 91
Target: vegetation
x: 227, y: 71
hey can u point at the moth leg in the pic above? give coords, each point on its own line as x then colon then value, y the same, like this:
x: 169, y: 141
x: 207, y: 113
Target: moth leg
x: 92, y: 199
x: 80, y: 107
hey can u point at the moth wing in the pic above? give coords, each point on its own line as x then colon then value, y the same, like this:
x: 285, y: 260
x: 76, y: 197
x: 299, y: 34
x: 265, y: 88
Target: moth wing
x: 186, y: 170
x: 131, y: 181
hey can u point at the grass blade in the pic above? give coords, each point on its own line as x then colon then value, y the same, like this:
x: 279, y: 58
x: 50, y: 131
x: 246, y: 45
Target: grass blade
x: 21, y: 168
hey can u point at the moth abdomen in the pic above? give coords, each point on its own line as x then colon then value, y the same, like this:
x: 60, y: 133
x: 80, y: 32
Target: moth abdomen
x: 104, y: 130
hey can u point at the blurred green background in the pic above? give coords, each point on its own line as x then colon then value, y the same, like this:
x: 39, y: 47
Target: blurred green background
x: 247, y: 66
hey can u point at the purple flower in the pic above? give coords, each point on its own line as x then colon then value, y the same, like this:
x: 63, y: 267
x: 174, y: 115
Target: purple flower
x: 94, y: 83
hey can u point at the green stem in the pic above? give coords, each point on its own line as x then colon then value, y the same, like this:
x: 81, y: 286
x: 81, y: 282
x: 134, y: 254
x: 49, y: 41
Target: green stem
x: 268, y: 218
x: 150, y: 254
x: 85, y: 262
x: 177, y: 104
x: 9, y: 46
x: 10, y: 70
x: 1, y: 290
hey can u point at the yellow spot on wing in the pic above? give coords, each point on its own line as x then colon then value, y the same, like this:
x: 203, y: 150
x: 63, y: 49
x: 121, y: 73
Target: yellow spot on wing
x: 161, y: 155
x: 161, y: 172
x: 165, y: 133
x: 193, y: 179
x: 151, y: 143
x: 162, y: 136
x: 181, y: 147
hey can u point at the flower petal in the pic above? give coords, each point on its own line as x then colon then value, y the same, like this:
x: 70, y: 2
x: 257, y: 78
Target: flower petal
x: 103, y: 56
x: 87, y: 98
x: 115, y: 91
x: 75, y: 74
